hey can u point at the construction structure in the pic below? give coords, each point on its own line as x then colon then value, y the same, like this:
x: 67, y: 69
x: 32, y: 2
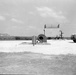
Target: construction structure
x: 50, y: 27
x: 39, y: 40
x: 42, y: 38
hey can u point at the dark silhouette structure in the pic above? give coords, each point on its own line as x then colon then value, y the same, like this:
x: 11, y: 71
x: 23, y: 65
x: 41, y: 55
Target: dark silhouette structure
x: 42, y: 38
x: 61, y: 34
x: 73, y: 37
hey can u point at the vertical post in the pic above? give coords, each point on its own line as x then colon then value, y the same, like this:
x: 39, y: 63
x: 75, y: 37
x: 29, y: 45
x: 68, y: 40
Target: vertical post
x: 34, y: 40
x: 61, y: 35
x: 44, y: 31
x: 44, y: 28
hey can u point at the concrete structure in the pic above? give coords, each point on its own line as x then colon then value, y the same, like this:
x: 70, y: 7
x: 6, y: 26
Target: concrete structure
x: 42, y: 38
x: 34, y: 40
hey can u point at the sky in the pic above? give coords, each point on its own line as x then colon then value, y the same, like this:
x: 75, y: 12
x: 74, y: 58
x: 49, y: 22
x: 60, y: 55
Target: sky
x: 28, y: 17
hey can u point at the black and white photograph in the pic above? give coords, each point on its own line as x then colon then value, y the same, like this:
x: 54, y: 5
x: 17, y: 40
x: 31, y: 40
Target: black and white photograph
x: 38, y: 37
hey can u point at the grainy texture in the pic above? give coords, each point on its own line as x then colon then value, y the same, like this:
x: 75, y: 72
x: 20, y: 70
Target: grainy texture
x: 37, y: 64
